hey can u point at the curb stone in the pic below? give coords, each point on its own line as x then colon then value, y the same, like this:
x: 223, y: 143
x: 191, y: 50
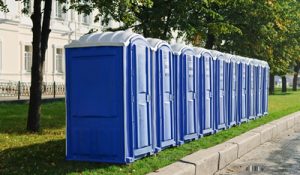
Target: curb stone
x: 209, y: 161
x: 177, y: 168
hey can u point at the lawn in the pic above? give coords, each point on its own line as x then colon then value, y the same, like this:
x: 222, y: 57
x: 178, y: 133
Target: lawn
x: 44, y: 153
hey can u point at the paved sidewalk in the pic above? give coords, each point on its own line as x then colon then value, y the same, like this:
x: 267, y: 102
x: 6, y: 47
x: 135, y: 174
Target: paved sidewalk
x: 276, y: 157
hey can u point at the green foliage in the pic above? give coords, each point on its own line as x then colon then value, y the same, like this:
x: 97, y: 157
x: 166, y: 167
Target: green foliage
x: 269, y: 31
x: 3, y: 7
x: 44, y: 153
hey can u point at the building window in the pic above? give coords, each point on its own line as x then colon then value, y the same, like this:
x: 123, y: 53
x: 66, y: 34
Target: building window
x: 59, y: 60
x: 58, y: 10
x: 85, y: 19
x: 28, y: 57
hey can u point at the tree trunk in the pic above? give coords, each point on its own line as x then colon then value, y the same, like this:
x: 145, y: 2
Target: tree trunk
x: 283, y: 87
x: 295, y: 78
x: 210, y: 40
x: 39, y: 47
x: 272, y: 84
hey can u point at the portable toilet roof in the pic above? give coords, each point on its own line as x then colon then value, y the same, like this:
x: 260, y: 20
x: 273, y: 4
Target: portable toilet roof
x: 243, y: 59
x: 119, y: 38
x: 199, y: 51
x: 230, y: 57
x: 179, y: 48
x: 254, y: 62
x: 155, y: 43
x: 215, y: 53
x: 237, y: 58
x: 247, y: 59
x: 266, y: 64
x: 219, y: 55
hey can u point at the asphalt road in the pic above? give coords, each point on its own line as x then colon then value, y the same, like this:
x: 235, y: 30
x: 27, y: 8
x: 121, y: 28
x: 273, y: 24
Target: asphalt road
x: 278, y: 157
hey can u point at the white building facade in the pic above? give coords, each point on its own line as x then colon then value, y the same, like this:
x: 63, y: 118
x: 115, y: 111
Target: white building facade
x: 16, y: 38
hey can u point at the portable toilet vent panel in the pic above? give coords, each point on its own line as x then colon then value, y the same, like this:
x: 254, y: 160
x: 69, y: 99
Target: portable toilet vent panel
x: 108, y: 90
x: 221, y: 74
x: 185, y: 93
x: 242, y: 89
x: 205, y: 102
x: 163, y: 103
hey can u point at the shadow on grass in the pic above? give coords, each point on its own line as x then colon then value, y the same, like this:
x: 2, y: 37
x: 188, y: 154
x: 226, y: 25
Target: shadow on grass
x: 14, y: 117
x: 282, y: 93
x: 44, y: 158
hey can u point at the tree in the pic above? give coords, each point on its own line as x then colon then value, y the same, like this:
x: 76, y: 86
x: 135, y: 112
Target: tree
x: 266, y: 30
x: 40, y: 31
x: 296, y: 73
x: 3, y: 7
x: 283, y: 84
x: 41, y: 18
x: 156, y: 18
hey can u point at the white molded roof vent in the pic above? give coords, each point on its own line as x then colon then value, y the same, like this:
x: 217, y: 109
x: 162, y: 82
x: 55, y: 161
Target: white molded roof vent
x: 119, y: 38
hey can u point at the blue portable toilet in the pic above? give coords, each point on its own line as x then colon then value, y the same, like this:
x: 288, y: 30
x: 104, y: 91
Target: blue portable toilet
x: 248, y: 86
x: 185, y: 77
x: 252, y: 89
x: 259, y: 86
x: 163, y: 94
x: 220, y: 85
x: 266, y: 75
x: 108, y: 98
x: 233, y: 79
x: 242, y: 89
x: 205, y: 85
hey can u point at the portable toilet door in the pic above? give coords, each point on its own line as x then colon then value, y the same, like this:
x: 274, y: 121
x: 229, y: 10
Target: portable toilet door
x: 233, y: 92
x: 108, y: 88
x: 227, y: 79
x: 238, y: 88
x: 205, y: 105
x: 242, y: 90
x: 252, y: 89
x: 265, y: 87
x: 220, y: 70
x: 185, y: 93
x: 247, y: 81
x: 259, y: 92
x: 163, y: 90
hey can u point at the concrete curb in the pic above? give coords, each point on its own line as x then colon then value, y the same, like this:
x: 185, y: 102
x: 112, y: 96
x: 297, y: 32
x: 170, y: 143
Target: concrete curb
x: 209, y: 161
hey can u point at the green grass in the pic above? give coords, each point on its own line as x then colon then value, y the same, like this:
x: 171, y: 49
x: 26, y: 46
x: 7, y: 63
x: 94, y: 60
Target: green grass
x: 44, y: 153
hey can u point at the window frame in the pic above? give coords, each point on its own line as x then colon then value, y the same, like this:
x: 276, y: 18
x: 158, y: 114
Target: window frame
x: 59, y: 14
x: 59, y: 68
x: 27, y: 66
x: 86, y: 19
